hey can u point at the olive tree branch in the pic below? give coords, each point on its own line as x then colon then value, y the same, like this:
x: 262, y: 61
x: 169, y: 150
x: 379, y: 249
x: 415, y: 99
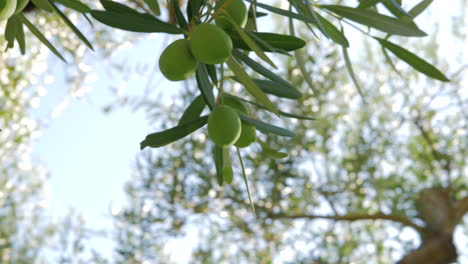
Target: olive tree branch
x: 350, y: 217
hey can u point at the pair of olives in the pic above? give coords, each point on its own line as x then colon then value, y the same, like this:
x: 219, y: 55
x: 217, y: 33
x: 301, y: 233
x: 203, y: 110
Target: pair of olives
x: 208, y: 43
x: 225, y: 127
x: 11, y: 7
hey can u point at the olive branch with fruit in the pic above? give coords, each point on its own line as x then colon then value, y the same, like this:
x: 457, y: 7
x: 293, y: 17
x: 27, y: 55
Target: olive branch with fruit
x: 207, y: 48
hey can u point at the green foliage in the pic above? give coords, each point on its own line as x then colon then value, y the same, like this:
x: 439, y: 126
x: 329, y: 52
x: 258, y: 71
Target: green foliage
x: 340, y: 160
x: 354, y: 159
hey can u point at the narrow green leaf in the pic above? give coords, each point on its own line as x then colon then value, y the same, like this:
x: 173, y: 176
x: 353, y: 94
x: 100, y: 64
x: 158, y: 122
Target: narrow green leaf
x: 257, y: 14
x: 267, y: 128
x: 333, y: 33
x: 249, y: 41
x: 301, y: 61
x: 306, y: 10
x: 75, y: 5
x: 264, y: 45
x: 134, y: 22
x: 204, y: 85
x: 193, y: 111
x: 44, y: 5
x: 378, y: 21
x: 260, y: 69
x: 218, y: 160
x: 395, y: 8
x: 389, y: 61
x: 285, y: 114
x: 290, y: 115
x: 153, y: 5
x: 282, y: 12
x: 419, y: 8
x: 250, y: 85
x: 271, y: 153
x: 20, y: 37
x: 193, y: 8
x: 278, y: 89
x: 88, y: 19
x: 367, y: 3
x: 413, y: 60
x: 228, y: 174
x: 275, y: 154
x: 41, y: 37
x: 349, y: 67
x: 314, y: 15
x: 11, y: 29
x: 117, y: 7
x: 212, y: 72
x: 244, y: 175
x: 277, y: 41
x: 301, y: 8
x: 179, y: 16
x: 165, y: 137
x: 71, y: 26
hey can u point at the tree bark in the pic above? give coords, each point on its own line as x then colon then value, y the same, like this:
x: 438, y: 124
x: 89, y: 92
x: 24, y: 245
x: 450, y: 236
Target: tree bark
x: 440, y: 250
x: 441, y: 215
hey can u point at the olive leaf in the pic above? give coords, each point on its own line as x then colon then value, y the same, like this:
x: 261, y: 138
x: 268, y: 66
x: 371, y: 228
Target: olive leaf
x: 260, y: 68
x: 168, y: 136
x: 277, y: 41
x: 218, y: 160
x: 244, y: 175
x: 71, y: 26
x: 378, y: 21
x: 193, y: 111
x: 204, y: 85
x: 267, y: 128
x: 123, y: 17
x: 39, y: 35
x: 413, y: 60
x: 250, y: 85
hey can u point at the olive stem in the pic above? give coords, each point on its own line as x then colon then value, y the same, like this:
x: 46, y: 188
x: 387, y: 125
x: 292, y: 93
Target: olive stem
x: 220, y: 86
x: 220, y: 10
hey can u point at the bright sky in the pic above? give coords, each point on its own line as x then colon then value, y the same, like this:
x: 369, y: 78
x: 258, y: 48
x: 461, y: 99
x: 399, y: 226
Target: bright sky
x: 87, y: 152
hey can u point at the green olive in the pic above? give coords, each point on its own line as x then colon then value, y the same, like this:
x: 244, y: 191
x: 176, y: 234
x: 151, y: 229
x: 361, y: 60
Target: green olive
x: 210, y: 44
x: 176, y: 62
x: 236, y: 9
x: 7, y: 9
x: 248, y: 132
x: 224, y: 126
x: 20, y: 5
x: 233, y: 102
x: 248, y: 135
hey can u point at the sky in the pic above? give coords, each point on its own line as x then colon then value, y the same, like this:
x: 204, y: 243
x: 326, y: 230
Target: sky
x: 89, y: 153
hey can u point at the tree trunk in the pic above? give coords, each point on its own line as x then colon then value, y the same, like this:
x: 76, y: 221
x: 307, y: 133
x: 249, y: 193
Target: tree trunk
x: 439, y: 250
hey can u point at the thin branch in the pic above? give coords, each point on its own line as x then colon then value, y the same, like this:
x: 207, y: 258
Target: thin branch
x: 351, y: 217
x: 444, y: 162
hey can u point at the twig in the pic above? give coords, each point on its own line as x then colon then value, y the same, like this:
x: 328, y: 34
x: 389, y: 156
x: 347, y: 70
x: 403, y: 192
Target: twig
x: 350, y: 217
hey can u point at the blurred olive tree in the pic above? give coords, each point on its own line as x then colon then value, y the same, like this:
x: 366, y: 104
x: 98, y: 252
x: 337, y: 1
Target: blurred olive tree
x: 378, y: 180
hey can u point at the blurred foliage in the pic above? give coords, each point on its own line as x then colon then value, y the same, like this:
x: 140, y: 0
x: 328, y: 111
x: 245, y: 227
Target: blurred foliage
x: 356, y: 158
x: 28, y: 231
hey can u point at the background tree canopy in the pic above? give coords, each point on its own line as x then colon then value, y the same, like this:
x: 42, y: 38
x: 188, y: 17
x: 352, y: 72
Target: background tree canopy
x: 372, y: 169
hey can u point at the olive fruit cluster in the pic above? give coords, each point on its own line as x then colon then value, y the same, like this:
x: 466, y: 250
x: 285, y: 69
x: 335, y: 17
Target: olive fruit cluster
x: 225, y: 127
x: 11, y: 7
x: 207, y: 43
